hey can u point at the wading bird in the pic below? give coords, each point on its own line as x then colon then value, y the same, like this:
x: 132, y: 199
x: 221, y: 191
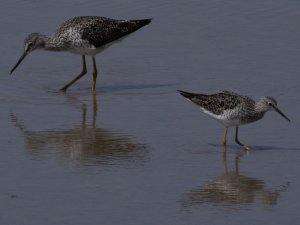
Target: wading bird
x: 84, y: 35
x: 232, y: 109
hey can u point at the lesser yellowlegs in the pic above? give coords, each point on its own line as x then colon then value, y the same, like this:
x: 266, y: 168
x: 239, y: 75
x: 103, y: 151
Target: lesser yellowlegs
x: 232, y: 109
x: 85, y: 35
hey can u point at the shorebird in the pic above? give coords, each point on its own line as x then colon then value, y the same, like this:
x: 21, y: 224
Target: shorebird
x: 232, y: 109
x: 84, y: 35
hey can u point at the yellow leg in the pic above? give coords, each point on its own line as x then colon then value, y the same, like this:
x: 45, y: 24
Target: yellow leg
x: 95, y: 73
x: 246, y: 148
x: 83, y: 72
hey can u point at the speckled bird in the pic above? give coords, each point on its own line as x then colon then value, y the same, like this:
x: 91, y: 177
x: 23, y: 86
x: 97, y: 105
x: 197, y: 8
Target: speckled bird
x: 232, y: 109
x: 84, y: 35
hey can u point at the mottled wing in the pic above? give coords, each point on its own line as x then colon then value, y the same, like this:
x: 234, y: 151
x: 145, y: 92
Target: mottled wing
x: 100, y: 31
x: 216, y: 103
x: 231, y: 93
x: 95, y: 30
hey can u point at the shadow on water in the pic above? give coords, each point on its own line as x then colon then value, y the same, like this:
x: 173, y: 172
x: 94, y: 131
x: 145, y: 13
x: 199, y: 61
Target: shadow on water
x: 257, y: 147
x: 121, y: 87
x: 116, y: 88
x: 232, y: 189
x: 86, y: 144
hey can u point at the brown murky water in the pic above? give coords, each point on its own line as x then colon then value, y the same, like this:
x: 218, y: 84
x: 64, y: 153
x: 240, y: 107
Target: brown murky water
x: 136, y: 152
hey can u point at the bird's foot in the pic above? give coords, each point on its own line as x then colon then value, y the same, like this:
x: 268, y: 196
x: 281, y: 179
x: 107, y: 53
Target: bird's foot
x: 246, y: 148
x: 63, y: 89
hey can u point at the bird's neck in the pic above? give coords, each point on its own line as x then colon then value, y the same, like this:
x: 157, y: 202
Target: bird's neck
x: 47, y: 43
x: 52, y: 44
x: 260, y: 107
x: 41, y: 41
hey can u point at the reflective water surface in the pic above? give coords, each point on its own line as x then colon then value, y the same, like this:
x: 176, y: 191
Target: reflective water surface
x: 85, y: 144
x: 136, y: 152
x: 233, y: 188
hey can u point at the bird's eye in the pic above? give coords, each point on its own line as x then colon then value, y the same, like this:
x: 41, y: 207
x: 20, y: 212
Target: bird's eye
x: 270, y: 103
x: 30, y: 44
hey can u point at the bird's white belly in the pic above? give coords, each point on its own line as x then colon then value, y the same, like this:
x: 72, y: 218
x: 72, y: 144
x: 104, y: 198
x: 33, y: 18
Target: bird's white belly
x: 227, y: 119
x: 84, y: 48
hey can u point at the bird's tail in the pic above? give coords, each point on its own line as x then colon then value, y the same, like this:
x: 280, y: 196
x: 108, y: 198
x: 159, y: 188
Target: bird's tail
x: 129, y: 26
x: 186, y: 94
x: 141, y: 23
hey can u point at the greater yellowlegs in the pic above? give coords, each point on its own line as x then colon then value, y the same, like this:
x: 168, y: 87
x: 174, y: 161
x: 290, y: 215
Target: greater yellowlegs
x: 232, y: 109
x: 84, y: 35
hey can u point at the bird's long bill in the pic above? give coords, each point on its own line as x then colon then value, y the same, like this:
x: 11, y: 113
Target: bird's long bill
x: 18, y: 63
x: 281, y: 113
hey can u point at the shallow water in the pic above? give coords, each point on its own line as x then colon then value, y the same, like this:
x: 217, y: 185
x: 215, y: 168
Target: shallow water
x: 136, y: 152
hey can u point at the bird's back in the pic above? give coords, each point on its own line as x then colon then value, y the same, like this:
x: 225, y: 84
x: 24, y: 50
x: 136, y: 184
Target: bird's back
x: 219, y: 102
x: 95, y: 31
x: 230, y: 108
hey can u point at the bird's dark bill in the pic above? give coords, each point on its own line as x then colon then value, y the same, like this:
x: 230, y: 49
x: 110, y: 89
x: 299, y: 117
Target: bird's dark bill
x: 18, y: 63
x: 281, y: 113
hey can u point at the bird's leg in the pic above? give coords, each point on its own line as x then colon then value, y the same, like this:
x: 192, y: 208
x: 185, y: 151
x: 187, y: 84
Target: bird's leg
x: 224, y: 138
x: 246, y: 148
x: 83, y: 72
x: 95, y: 73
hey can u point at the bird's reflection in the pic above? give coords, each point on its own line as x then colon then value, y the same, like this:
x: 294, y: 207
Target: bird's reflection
x: 85, y: 144
x: 231, y: 189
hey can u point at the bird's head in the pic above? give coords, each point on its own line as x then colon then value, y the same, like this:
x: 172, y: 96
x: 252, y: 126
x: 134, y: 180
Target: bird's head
x: 268, y: 103
x: 32, y: 42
